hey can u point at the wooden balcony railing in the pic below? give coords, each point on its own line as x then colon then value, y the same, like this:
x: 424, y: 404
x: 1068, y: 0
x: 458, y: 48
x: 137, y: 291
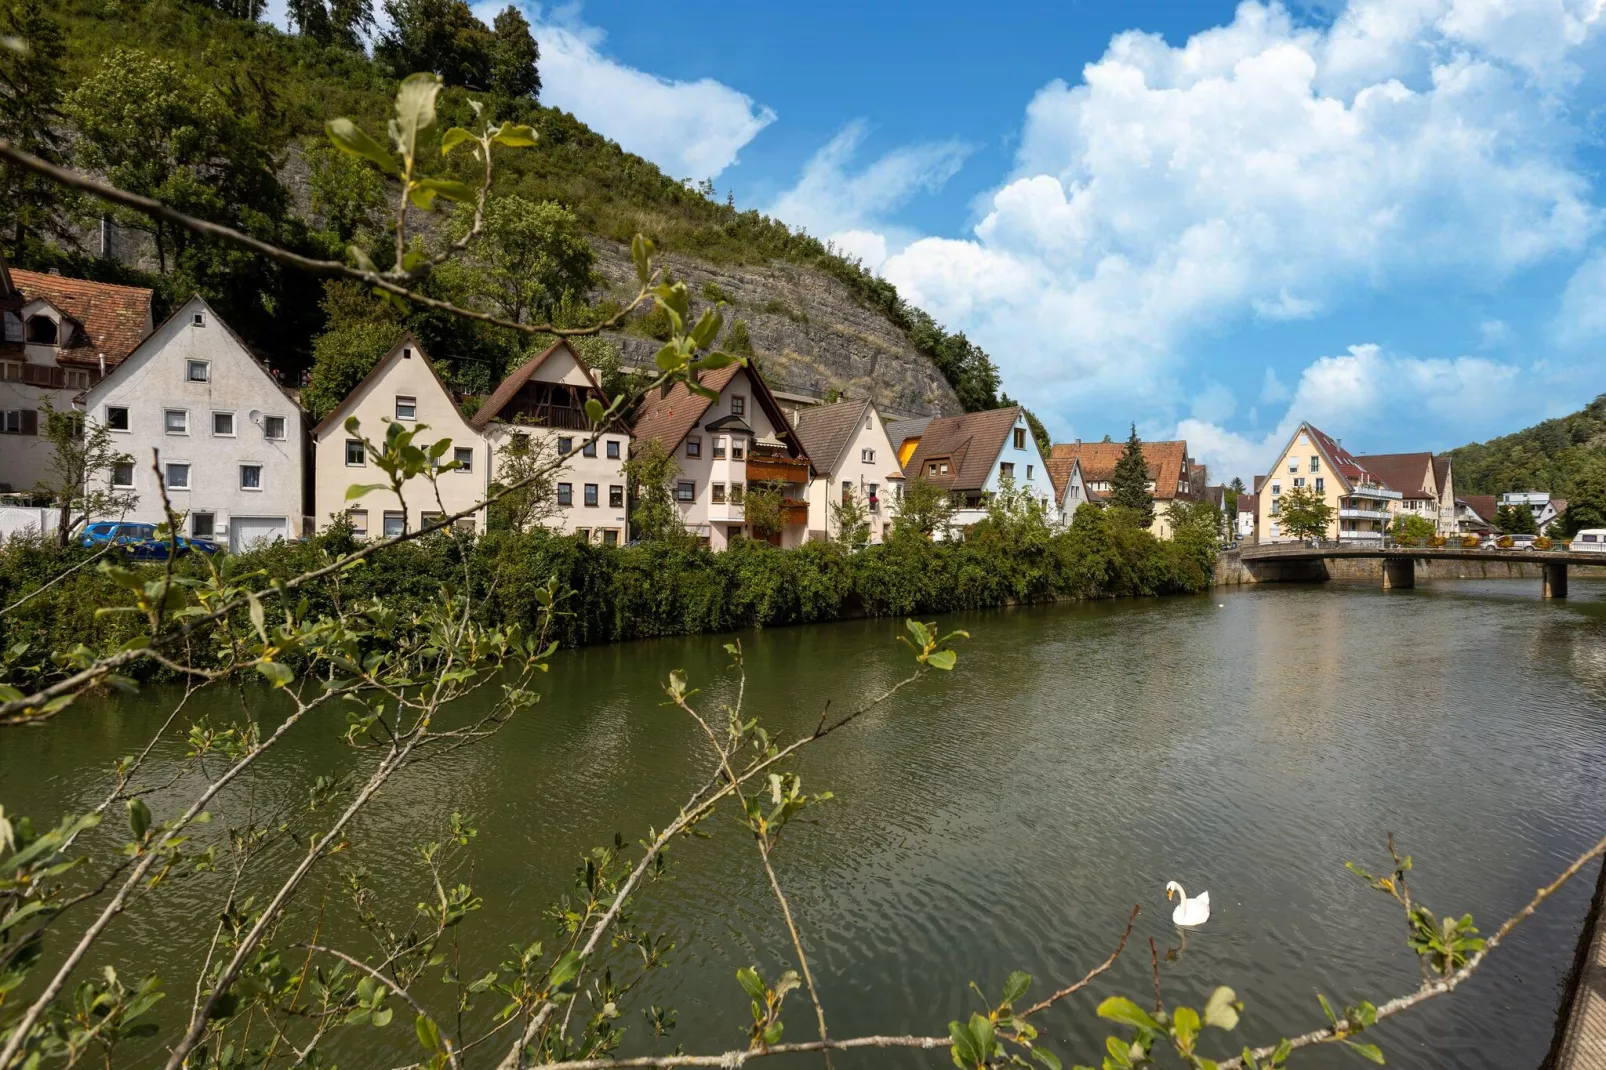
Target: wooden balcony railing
x: 795, y: 514
x: 773, y: 469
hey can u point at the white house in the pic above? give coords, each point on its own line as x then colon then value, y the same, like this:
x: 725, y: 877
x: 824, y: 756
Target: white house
x: 1539, y: 502
x: 1070, y: 488
x: 972, y: 455
x: 722, y: 447
x: 402, y: 388
x: 1244, y: 522
x: 545, y: 400
x: 229, y: 441
x: 58, y: 337
x: 853, y: 457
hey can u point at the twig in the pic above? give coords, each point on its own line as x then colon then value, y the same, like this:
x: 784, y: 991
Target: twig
x: 42, y: 588
x: 1087, y: 977
x: 1154, y: 966
x: 451, y: 1052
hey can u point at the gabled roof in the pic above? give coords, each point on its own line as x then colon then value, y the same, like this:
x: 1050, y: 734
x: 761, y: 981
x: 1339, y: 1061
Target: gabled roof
x: 1408, y: 473
x: 1441, y: 472
x: 509, y: 387
x: 1060, y: 470
x: 337, y: 414
x: 1338, y: 458
x: 110, y: 320
x: 826, y: 431
x: 901, y: 431
x: 1163, y: 462
x: 1247, y: 503
x: 971, y: 443
x: 1484, y: 505
x: 667, y: 418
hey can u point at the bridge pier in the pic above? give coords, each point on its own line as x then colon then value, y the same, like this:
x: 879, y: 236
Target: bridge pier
x: 1555, y: 583
x: 1399, y: 572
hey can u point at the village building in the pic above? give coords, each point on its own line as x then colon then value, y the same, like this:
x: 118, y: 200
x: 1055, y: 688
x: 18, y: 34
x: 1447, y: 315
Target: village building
x: 405, y: 389
x: 544, y: 400
x: 1168, y: 468
x: 1070, y: 488
x: 1475, y: 514
x: 1362, y: 504
x: 1244, y: 521
x: 192, y: 403
x: 1424, y: 482
x: 723, y: 447
x: 974, y: 455
x: 853, y: 459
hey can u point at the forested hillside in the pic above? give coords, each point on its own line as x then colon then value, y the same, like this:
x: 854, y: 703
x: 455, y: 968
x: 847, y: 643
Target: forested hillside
x: 207, y: 108
x: 1556, y: 455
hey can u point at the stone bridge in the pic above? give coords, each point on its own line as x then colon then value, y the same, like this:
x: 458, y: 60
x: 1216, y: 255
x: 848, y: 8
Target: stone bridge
x: 1303, y: 562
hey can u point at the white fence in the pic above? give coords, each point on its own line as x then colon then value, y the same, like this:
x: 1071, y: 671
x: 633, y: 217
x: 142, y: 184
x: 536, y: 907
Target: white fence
x: 16, y: 520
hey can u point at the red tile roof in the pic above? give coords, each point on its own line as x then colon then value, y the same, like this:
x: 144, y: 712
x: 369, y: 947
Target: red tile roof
x: 1163, y: 461
x: 970, y: 443
x: 1247, y: 502
x: 509, y: 387
x: 1059, y: 474
x: 1407, y: 473
x: 1482, y: 504
x: 110, y: 320
x: 1341, y: 459
x: 667, y: 418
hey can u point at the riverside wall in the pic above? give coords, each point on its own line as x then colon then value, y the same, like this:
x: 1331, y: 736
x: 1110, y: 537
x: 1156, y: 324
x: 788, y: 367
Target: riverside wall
x: 1232, y: 572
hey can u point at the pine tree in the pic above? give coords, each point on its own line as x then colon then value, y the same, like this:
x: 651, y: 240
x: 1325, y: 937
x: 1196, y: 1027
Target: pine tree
x: 1129, y: 486
x: 514, y: 57
x: 32, y: 209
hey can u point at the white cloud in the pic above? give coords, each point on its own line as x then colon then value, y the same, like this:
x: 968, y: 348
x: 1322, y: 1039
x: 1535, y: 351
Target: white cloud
x: 1272, y: 389
x: 1582, y: 317
x: 849, y: 207
x: 1263, y: 170
x: 690, y: 129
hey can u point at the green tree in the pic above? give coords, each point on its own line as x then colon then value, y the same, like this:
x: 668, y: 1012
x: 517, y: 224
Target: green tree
x: 650, y: 473
x: 926, y: 510
x: 442, y: 36
x: 1129, y: 485
x: 530, y: 256
x: 32, y: 209
x: 525, y: 464
x: 1587, y: 507
x: 762, y: 509
x: 850, y: 520
x: 1411, y: 526
x: 515, y: 57
x: 83, y: 455
x: 342, y: 23
x: 1515, y: 520
x: 348, y: 197
x: 738, y: 340
x: 1304, y: 514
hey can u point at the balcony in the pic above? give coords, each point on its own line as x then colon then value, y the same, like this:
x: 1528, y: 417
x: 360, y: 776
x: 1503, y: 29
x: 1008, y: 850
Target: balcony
x: 1380, y: 493
x: 1361, y: 536
x: 1364, y: 514
x: 772, y: 468
x: 794, y: 513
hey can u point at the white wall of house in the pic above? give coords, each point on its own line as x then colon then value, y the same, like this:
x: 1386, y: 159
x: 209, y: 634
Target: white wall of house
x: 26, y: 455
x: 869, y: 468
x: 1021, y: 460
x: 230, y: 442
x: 1075, y: 496
x: 402, y: 388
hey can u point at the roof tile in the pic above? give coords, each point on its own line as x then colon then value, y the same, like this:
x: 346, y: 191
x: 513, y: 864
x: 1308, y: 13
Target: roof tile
x: 112, y: 320
x: 1163, y: 461
x: 826, y: 430
x: 971, y: 442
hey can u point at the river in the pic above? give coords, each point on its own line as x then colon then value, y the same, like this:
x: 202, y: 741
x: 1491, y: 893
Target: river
x: 1008, y: 816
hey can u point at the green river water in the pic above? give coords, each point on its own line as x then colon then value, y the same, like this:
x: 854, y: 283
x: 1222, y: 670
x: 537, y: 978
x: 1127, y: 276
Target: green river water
x: 1009, y: 816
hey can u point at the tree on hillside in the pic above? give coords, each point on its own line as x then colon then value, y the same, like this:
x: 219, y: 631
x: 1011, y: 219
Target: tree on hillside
x: 1304, y: 514
x: 347, y: 197
x: 1129, y: 486
x: 32, y: 209
x: 360, y: 331
x: 343, y: 23
x: 83, y: 456
x: 515, y: 57
x: 1587, y: 507
x: 442, y: 36
x: 1515, y: 520
x: 249, y: 10
x: 530, y: 256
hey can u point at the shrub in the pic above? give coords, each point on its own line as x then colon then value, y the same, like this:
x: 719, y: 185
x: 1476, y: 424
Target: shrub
x: 1504, y: 542
x: 1470, y: 542
x: 1544, y: 542
x: 1437, y: 540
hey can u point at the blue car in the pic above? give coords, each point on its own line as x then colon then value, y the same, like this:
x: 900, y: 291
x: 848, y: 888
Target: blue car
x: 157, y: 549
x: 117, y: 533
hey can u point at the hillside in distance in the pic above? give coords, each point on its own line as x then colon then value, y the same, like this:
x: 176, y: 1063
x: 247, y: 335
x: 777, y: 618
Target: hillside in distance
x: 1553, y: 455
x: 819, y: 323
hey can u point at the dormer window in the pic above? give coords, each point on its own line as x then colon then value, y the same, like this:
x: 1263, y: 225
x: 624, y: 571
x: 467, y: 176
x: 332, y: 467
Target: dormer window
x: 42, y: 331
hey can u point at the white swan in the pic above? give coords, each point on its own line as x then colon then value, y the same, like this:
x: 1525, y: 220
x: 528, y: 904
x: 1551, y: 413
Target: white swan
x: 1189, y: 912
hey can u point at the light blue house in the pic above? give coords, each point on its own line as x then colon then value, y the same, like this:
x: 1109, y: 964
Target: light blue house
x: 972, y: 456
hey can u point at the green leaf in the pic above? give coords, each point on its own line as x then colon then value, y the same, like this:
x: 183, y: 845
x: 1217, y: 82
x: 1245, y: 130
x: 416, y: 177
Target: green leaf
x: 565, y: 970
x: 515, y: 136
x: 1015, y: 986
x: 707, y: 329
x: 348, y: 137
x: 382, y: 1017
x: 1327, y: 1009
x: 751, y: 983
x: 357, y: 490
x: 1185, y: 1021
x: 449, y: 188
x: 964, y: 1049
x: 668, y: 358
x: 1221, y: 1010
x: 714, y: 361
x: 942, y: 659
x: 429, y: 1034
x: 277, y: 673
x: 594, y: 411
x: 641, y: 253
x: 1047, y: 1058
x: 1121, y: 1009
x: 772, y: 1034
x: 139, y: 818
x: 1368, y: 1051
x: 258, y: 617
x: 415, y: 110
x: 453, y: 138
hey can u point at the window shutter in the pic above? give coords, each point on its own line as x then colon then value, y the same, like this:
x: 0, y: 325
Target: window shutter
x: 30, y: 422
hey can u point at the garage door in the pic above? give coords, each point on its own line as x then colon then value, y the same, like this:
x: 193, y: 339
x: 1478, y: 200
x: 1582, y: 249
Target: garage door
x: 248, y: 531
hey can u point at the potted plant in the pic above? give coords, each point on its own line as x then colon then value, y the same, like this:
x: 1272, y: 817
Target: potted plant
x: 1504, y: 542
x: 1470, y: 542
x: 1437, y: 540
x: 1544, y: 542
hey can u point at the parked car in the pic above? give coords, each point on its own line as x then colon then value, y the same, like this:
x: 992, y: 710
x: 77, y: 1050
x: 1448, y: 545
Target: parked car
x: 116, y: 532
x: 1590, y: 541
x: 157, y: 549
x: 1522, y: 542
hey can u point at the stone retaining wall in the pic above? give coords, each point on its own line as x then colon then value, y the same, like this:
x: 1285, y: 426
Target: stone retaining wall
x: 1232, y: 572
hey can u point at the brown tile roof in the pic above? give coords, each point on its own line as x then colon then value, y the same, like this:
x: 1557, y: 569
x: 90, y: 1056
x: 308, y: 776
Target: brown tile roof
x: 668, y: 418
x: 1247, y: 502
x: 971, y: 443
x: 1405, y: 472
x: 826, y: 430
x: 1441, y: 472
x: 1341, y: 459
x: 1059, y: 474
x: 110, y: 320
x: 509, y: 387
x: 1482, y: 504
x: 1162, y: 460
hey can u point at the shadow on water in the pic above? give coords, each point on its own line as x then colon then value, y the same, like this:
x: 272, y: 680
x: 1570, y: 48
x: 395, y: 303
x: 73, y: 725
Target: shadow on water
x: 1009, y: 816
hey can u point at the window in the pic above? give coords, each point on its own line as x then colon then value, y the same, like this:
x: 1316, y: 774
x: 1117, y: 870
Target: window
x: 694, y: 447
x: 42, y: 331
x: 359, y: 522
x: 1007, y: 470
x: 589, y: 449
x: 591, y: 496
x: 464, y: 456
x: 738, y: 405
x: 250, y: 477
x: 176, y: 421
x: 123, y: 474
x: 395, y: 524
x: 1020, y: 438
x: 1321, y: 485
x: 273, y: 428
x: 616, y: 496
x: 203, y: 525
x: 1276, y: 489
x: 873, y: 497
x: 1299, y: 481
x: 426, y: 520
x: 610, y: 536
x: 1588, y: 538
x: 1315, y: 463
x: 406, y: 407
x: 178, y: 476
x: 1029, y: 471
x: 20, y: 422
x: 738, y: 493
x: 116, y: 418
x: 718, y: 492
x: 737, y: 448
x: 583, y: 534
x: 685, y: 492
x: 719, y: 448
x: 1293, y: 464
x: 223, y: 424
x: 356, y: 456
x: 867, y: 456
x: 465, y: 525
x: 613, y: 449
x: 734, y: 532
x: 76, y: 379
x: 198, y: 319
x: 565, y: 494
x: 197, y: 371
x: 847, y: 492
x: 565, y: 445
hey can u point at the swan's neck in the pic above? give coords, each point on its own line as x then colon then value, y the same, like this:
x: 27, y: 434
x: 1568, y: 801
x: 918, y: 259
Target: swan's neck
x: 1182, y: 894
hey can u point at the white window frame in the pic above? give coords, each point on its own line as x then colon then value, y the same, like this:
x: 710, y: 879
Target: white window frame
x: 189, y: 371
x: 867, y: 455
x: 167, y: 475
x: 167, y: 428
x: 195, y: 527
x: 259, y: 487
x: 389, y: 515
x: 233, y: 430
x: 464, y: 456
x: 284, y: 427
x: 411, y: 402
x: 116, y: 467
x: 362, y: 454
x: 351, y: 516
x: 126, y: 429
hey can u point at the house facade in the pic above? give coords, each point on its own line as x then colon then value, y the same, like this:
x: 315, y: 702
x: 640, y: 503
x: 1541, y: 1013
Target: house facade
x: 1544, y: 508
x: 1362, y: 504
x: 229, y: 442
x: 854, y: 458
x: 544, y: 400
x: 1474, y: 514
x: 1424, y: 482
x: 1169, y: 470
x: 1244, y: 522
x: 972, y: 455
x: 739, y: 440
x: 1070, y: 488
x: 58, y: 337
x: 402, y: 388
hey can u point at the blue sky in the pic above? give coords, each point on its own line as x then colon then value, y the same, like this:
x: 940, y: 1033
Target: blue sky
x: 1383, y: 216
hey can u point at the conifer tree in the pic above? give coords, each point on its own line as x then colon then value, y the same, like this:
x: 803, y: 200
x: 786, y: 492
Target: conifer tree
x: 1129, y: 486
x: 32, y: 209
x: 514, y: 56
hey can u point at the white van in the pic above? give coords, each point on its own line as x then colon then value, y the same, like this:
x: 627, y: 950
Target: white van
x: 1590, y: 540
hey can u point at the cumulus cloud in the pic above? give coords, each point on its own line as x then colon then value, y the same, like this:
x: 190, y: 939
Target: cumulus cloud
x: 1263, y: 170
x: 1582, y: 317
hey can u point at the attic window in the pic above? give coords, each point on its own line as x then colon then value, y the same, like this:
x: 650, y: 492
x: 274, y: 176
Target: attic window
x: 198, y: 319
x: 407, y: 353
x: 42, y: 331
x: 738, y: 405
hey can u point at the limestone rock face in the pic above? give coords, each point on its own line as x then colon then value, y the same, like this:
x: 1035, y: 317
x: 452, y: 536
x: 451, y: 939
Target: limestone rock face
x: 810, y: 333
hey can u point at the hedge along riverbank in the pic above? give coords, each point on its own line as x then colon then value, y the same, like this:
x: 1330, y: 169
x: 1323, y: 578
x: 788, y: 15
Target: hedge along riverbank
x: 658, y: 589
